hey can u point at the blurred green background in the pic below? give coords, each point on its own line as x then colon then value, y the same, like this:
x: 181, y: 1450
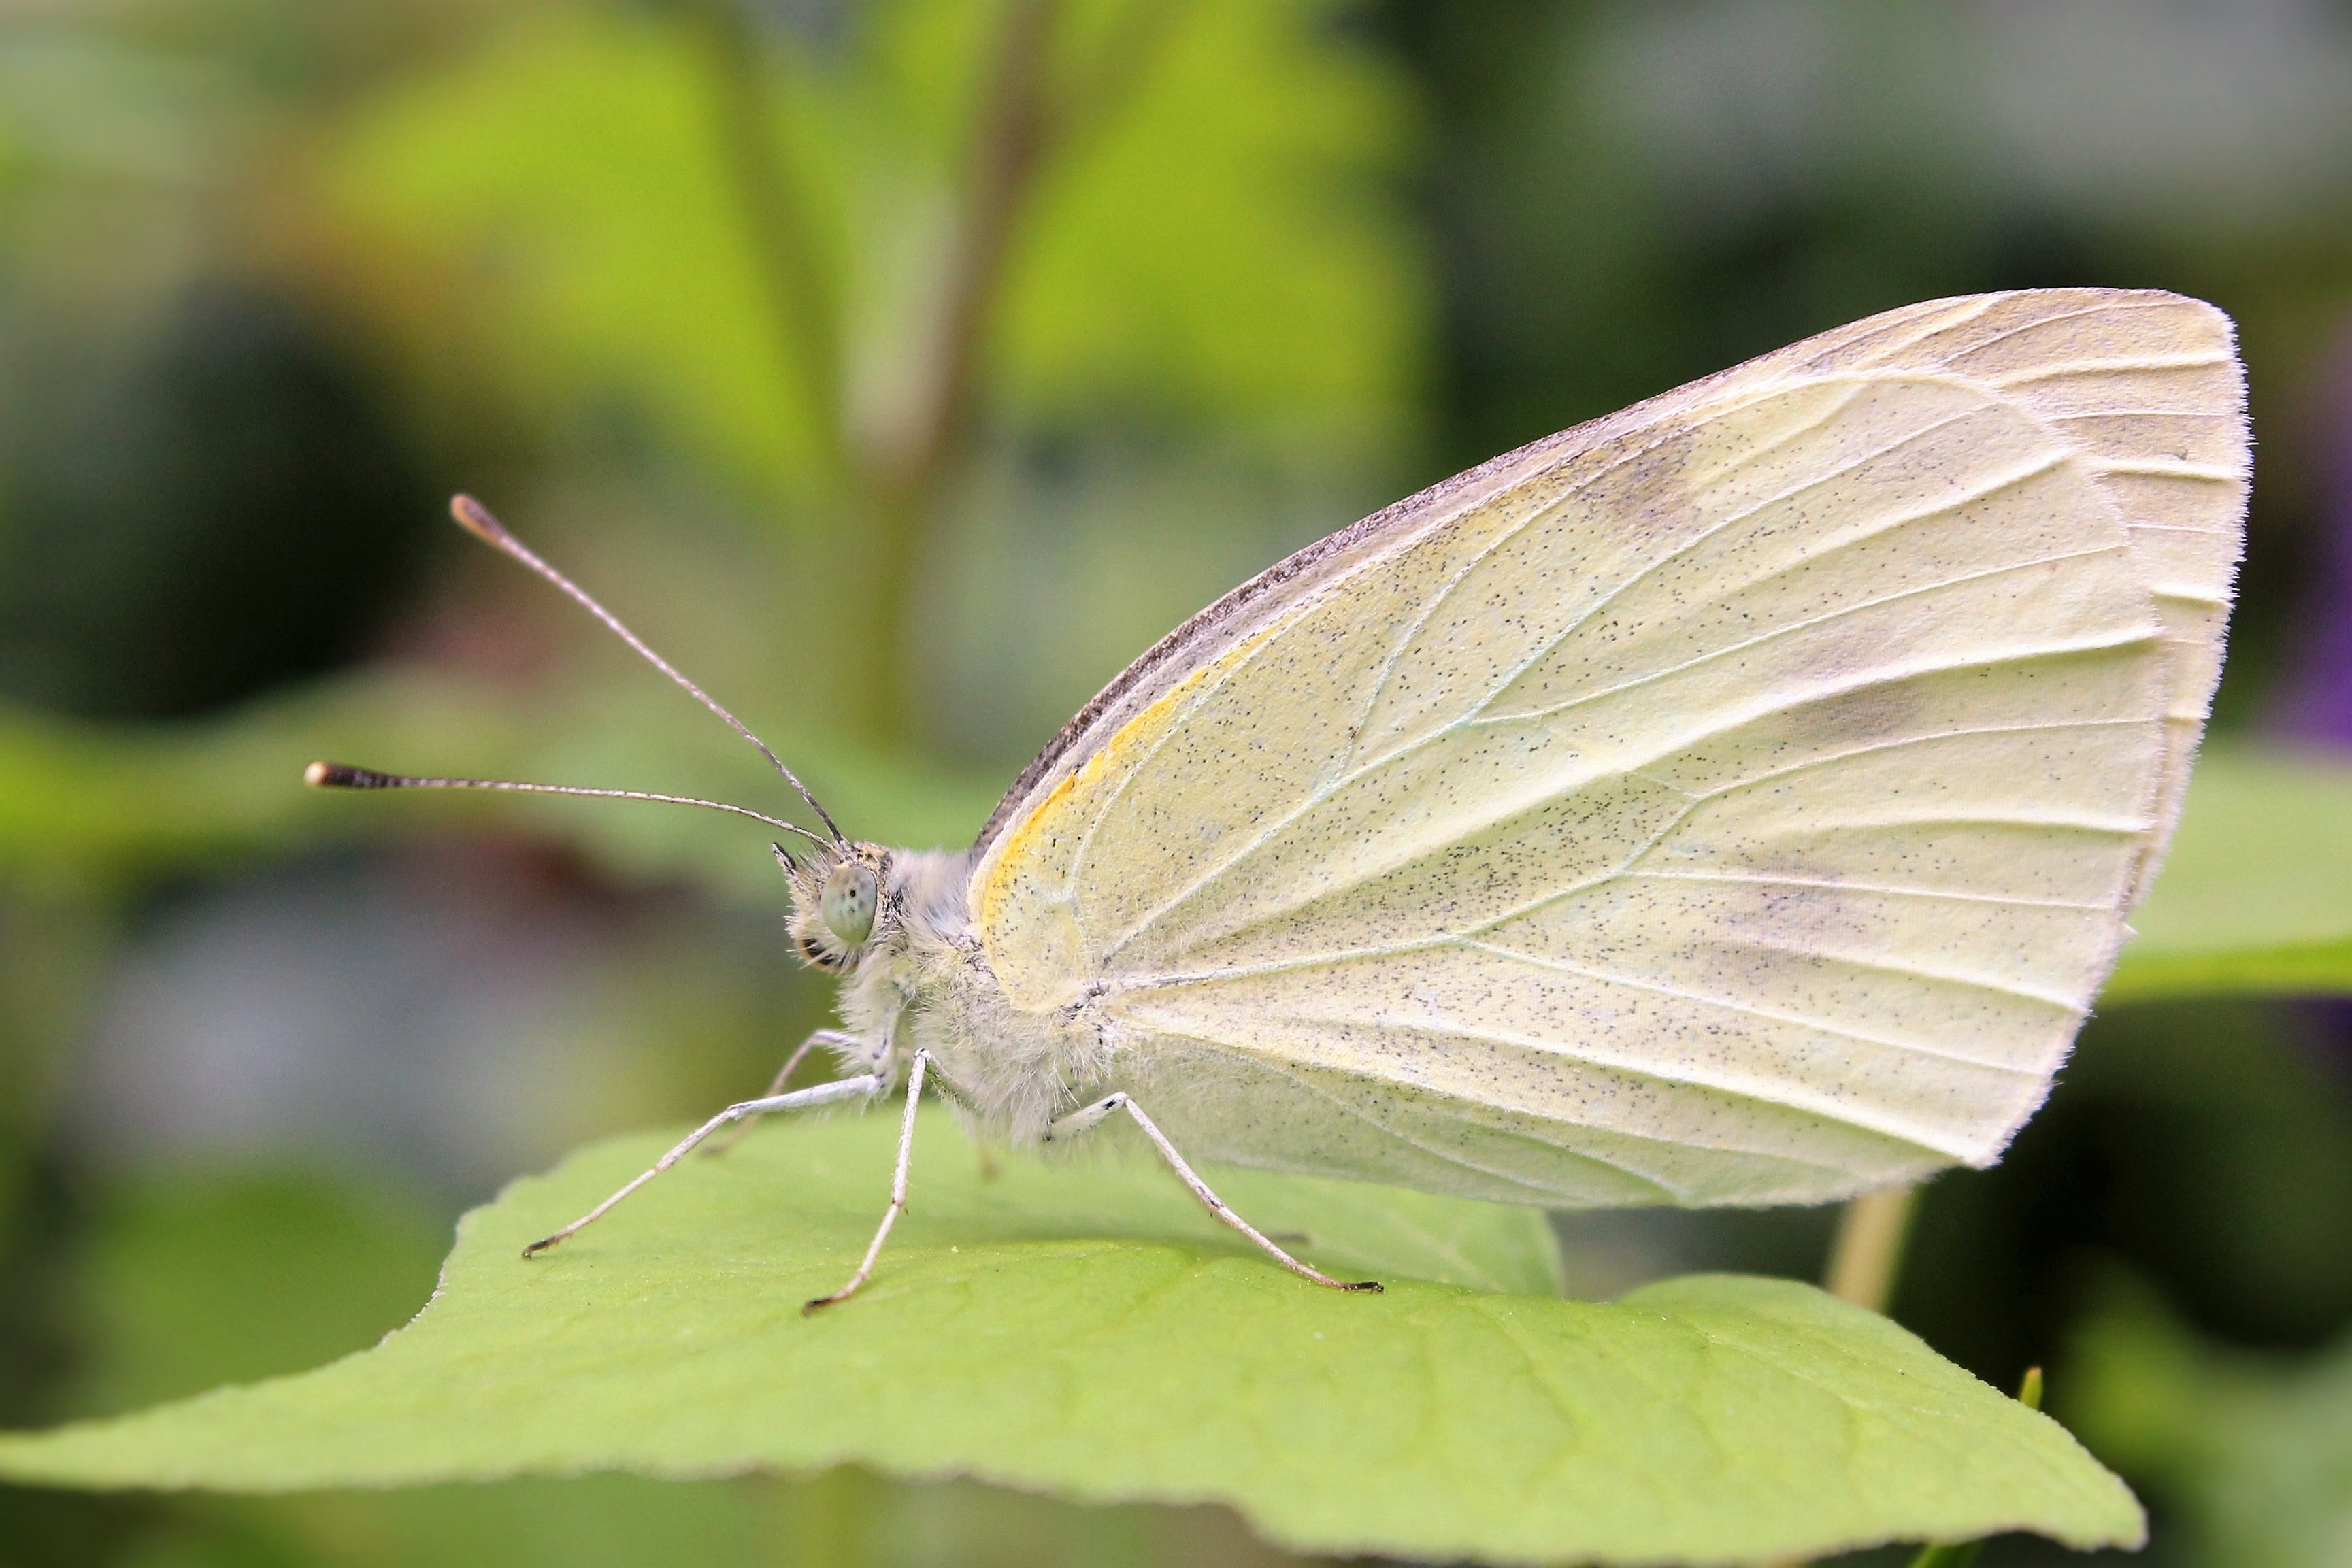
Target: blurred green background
x: 901, y: 369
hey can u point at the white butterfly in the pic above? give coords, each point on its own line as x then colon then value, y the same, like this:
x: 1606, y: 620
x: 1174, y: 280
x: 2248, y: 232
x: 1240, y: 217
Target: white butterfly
x: 1734, y: 800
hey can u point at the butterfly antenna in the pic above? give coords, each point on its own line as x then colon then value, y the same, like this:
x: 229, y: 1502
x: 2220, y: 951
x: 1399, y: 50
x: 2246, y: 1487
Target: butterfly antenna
x: 475, y: 519
x: 342, y: 775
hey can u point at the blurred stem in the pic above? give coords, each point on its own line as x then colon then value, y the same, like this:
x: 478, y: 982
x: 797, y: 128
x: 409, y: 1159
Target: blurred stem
x: 827, y: 1520
x: 899, y: 476
x: 802, y: 305
x: 1011, y: 136
x: 53, y: 939
x: 51, y: 943
x: 1869, y: 1246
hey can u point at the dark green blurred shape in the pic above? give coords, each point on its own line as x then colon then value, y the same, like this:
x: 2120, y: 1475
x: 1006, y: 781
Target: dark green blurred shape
x: 2255, y: 1451
x: 193, y: 1280
x: 193, y: 520
x: 2209, y: 1143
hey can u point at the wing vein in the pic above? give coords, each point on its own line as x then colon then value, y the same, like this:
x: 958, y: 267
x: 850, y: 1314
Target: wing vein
x: 1732, y: 520
x: 1940, y: 977
x: 1737, y: 1087
x: 1884, y: 888
x: 2108, y: 367
x: 1920, y: 330
x: 2006, y: 333
x: 2165, y: 468
x: 1444, y: 594
x: 1634, y: 856
x: 1443, y: 1155
x: 1827, y: 618
x: 1771, y: 1015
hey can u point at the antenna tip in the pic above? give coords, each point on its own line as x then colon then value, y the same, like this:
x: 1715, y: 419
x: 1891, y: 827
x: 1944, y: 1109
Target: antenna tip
x: 475, y: 519
x: 342, y: 775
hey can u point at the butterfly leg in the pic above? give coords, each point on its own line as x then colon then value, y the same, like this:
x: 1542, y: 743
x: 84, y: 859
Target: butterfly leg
x: 951, y: 1089
x: 822, y: 1095
x: 898, y: 1188
x: 1094, y: 1117
x: 836, y: 1038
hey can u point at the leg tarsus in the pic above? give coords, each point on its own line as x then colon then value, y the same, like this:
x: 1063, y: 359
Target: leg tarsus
x: 821, y: 1095
x: 898, y: 1189
x: 1095, y: 1114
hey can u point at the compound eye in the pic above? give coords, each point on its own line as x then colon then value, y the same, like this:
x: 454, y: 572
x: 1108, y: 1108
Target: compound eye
x: 847, y: 902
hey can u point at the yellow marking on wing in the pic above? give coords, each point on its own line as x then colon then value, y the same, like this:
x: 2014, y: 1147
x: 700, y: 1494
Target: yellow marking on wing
x: 1022, y: 901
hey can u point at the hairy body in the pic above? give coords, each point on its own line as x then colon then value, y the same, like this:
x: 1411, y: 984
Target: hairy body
x: 921, y: 981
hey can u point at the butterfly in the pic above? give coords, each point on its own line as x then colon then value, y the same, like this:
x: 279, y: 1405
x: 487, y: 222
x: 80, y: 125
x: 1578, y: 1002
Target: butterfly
x: 1736, y: 799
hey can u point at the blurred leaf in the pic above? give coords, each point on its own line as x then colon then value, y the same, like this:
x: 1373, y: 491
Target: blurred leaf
x: 1091, y: 1332
x: 198, y: 1279
x: 2256, y: 896
x: 1224, y: 246
x: 2255, y: 1450
x: 562, y: 187
x: 84, y: 105
x: 552, y: 214
x: 82, y: 799
x: 597, y: 1521
x: 848, y: 1518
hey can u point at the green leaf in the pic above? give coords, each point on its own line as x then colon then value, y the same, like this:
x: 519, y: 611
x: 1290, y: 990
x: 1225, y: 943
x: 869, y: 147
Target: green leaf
x: 2255, y: 1450
x: 2256, y: 897
x: 1085, y: 1329
x: 1962, y: 1554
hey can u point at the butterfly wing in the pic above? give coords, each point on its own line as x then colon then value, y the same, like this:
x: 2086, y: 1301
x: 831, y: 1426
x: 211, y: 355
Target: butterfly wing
x: 1736, y: 799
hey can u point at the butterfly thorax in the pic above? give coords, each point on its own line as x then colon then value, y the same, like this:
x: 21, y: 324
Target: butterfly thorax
x: 919, y: 979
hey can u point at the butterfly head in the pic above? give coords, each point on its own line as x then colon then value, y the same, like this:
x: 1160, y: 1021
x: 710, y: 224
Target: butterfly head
x: 843, y: 907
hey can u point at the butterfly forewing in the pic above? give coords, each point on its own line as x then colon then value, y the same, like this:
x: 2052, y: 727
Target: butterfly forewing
x: 2149, y: 386
x: 1735, y: 800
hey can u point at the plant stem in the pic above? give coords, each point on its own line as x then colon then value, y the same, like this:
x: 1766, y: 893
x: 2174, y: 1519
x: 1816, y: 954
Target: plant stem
x: 1869, y: 1246
x: 1012, y: 136
x: 895, y: 482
